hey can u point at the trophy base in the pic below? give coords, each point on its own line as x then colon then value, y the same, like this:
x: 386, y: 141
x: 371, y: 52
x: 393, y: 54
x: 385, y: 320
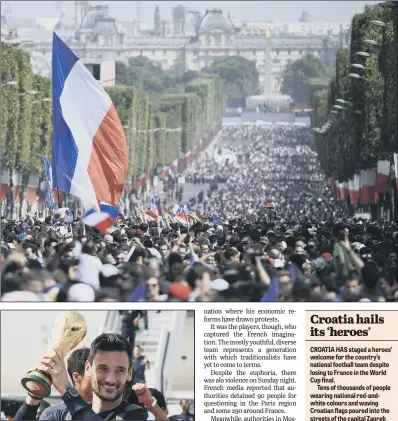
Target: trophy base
x: 38, y: 384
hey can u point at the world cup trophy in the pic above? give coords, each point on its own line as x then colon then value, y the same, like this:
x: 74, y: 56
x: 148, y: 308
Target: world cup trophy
x: 68, y: 330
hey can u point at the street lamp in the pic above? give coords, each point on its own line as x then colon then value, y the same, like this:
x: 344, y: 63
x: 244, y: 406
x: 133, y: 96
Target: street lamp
x: 358, y: 66
x: 378, y: 23
x: 370, y: 42
x: 342, y: 101
x: 355, y: 76
x: 362, y: 54
x: 389, y: 5
x: 31, y: 92
x: 10, y: 83
x: 41, y: 100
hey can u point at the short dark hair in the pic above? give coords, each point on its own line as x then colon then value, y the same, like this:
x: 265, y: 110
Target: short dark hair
x: 89, y: 248
x: 77, y: 362
x: 353, y: 275
x: 196, y: 271
x: 148, y: 243
x: 330, y: 284
x: 110, y: 342
x: 229, y: 253
x: 185, y: 400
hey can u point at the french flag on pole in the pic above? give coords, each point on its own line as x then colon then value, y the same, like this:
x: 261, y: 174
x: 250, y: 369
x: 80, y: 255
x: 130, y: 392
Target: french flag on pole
x: 176, y: 209
x: 153, y: 210
x: 396, y: 168
x: 49, y: 197
x: 382, y: 176
x: 89, y: 157
x: 182, y: 218
x: 187, y: 208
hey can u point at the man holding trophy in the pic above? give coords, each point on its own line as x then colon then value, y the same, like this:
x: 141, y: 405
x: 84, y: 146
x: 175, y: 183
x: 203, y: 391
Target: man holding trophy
x: 109, y: 366
x: 76, y: 365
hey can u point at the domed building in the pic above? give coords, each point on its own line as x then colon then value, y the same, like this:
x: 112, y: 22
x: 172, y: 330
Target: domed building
x: 8, y: 36
x: 215, y: 29
x: 188, y: 42
x: 95, y: 26
x: 215, y: 21
x: 91, y: 19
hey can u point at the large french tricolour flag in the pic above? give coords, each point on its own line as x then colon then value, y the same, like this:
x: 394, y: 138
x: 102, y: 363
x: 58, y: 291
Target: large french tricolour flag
x: 89, y: 145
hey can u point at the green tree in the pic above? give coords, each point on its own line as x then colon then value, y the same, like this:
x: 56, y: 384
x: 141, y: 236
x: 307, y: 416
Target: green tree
x: 158, y: 127
x: 189, y: 76
x: 366, y: 130
x: 147, y: 75
x: 295, y: 78
x: 239, y: 74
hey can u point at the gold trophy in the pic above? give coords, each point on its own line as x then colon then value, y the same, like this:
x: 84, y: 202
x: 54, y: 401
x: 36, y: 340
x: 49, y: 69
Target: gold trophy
x: 68, y: 330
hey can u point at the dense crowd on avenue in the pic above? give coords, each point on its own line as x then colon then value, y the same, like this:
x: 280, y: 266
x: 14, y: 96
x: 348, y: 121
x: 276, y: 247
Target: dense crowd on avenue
x: 272, y: 231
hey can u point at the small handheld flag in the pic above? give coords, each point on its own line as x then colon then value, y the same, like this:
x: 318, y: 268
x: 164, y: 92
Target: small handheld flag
x: 49, y: 197
x: 153, y: 210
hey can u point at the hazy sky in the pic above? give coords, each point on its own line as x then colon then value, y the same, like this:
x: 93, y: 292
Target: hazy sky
x: 334, y: 11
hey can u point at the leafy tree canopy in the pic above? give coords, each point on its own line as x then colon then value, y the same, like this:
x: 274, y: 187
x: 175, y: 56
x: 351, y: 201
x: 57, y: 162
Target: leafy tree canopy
x: 239, y: 74
x: 147, y: 75
x: 295, y: 78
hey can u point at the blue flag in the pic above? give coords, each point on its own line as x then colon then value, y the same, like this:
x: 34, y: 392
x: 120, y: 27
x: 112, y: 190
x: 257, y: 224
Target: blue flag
x: 294, y: 271
x: 49, y: 198
x: 272, y: 294
x: 138, y: 294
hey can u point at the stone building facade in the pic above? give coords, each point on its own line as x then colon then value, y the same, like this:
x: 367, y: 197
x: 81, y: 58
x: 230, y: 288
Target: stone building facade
x: 97, y: 37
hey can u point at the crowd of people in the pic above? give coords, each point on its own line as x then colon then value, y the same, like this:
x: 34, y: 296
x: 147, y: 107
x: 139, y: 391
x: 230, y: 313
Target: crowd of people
x: 273, y: 231
x: 273, y: 164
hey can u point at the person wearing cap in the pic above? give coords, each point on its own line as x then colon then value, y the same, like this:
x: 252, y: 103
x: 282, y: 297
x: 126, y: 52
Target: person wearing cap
x: 178, y: 292
x: 108, y: 239
x: 80, y: 292
x: 264, y: 241
x: 307, y: 213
